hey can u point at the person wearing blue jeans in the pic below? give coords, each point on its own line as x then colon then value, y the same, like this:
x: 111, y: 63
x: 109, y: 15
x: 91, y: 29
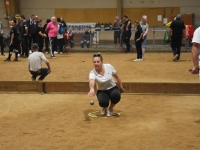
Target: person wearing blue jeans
x: 85, y: 39
x: 35, y: 64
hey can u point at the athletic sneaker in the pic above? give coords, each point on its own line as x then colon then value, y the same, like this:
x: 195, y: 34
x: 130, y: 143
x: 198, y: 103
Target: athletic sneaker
x: 136, y: 60
x: 30, y: 51
x: 103, y: 111
x: 47, y: 52
x: 2, y: 55
x: 61, y: 52
x: 53, y: 56
x: 110, y: 112
x: 55, y: 52
x: 175, y: 57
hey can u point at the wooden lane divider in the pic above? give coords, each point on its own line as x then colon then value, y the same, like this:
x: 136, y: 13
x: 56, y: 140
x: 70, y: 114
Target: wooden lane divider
x: 83, y: 87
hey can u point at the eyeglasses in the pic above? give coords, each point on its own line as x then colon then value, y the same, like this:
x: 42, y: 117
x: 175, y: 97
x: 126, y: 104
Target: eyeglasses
x: 97, y: 55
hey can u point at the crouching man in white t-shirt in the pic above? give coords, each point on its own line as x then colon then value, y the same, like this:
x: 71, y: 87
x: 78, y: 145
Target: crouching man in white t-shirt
x: 102, y: 76
x: 195, y: 53
x: 35, y: 64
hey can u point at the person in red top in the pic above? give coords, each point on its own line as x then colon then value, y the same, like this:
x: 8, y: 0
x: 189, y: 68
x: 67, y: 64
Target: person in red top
x: 52, y: 30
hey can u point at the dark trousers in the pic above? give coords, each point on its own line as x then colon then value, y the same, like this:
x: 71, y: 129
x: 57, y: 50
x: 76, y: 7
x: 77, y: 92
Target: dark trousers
x: 42, y: 73
x: 32, y: 38
x: 105, y: 96
x: 40, y: 44
x: 116, y: 37
x: 47, y: 44
x: 71, y: 42
x: 138, y: 45
x: 176, y: 42
x: 176, y: 50
x: 60, y: 44
x: 14, y: 47
x: 53, y: 45
x: 25, y: 46
x: 127, y: 40
x: 2, y: 45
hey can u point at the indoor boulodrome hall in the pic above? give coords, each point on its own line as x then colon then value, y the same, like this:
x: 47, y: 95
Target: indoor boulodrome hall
x: 99, y: 74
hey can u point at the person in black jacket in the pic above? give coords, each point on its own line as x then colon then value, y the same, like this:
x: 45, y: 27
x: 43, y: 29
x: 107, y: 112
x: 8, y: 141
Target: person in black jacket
x: 138, y: 41
x: 40, y: 35
x: 127, y: 32
x: 24, y: 36
x: 177, y: 28
x: 1, y: 39
x: 32, y: 25
x: 47, y: 38
x: 14, y: 41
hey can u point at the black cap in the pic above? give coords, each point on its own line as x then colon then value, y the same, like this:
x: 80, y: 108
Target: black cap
x: 35, y: 45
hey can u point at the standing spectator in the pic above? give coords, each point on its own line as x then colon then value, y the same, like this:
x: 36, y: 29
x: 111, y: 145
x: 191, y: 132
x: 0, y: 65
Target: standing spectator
x: 47, y: 38
x: 31, y: 24
x: 145, y: 28
x: 85, y: 39
x: 24, y: 35
x: 138, y: 40
x: 116, y: 27
x: 40, y: 35
x: 195, y: 52
x: 177, y: 28
x: 70, y: 38
x: 35, y: 64
x: 1, y: 39
x: 14, y: 41
x: 127, y: 32
x: 60, y: 36
x: 52, y: 30
x: 63, y: 21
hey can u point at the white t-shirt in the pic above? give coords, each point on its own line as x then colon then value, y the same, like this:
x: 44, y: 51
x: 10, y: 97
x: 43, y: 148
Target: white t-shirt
x: 59, y: 36
x: 35, y: 61
x: 105, y: 82
x: 196, y: 36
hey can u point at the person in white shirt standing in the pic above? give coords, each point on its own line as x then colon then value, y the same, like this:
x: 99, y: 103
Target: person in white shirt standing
x: 145, y: 27
x: 35, y: 64
x: 195, y: 53
x: 102, y: 75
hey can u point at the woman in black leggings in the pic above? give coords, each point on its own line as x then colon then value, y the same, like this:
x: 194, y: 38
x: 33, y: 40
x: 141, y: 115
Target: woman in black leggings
x: 102, y: 76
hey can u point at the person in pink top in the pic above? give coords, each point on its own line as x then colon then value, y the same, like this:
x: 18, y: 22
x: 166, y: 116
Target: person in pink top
x: 52, y: 30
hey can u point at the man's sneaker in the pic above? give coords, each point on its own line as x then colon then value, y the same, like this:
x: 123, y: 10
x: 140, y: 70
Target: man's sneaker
x: 110, y: 112
x: 30, y: 51
x: 7, y: 60
x: 2, y: 55
x: 53, y: 56
x: 143, y: 57
x: 47, y: 52
x: 136, y: 60
x: 55, y: 52
x: 15, y: 59
x: 175, y: 57
x: 103, y: 111
x: 61, y: 52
